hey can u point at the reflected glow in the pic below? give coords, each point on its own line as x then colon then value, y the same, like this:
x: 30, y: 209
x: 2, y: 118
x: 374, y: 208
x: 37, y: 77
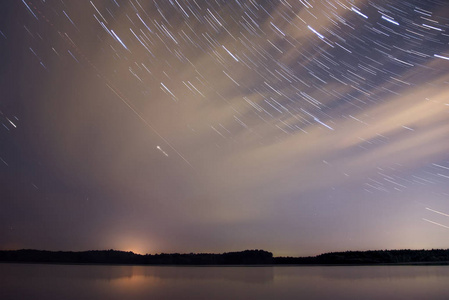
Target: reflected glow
x: 123, y: 282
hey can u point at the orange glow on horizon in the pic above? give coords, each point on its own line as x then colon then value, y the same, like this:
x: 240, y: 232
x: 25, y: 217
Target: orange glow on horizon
x: 131, y: 243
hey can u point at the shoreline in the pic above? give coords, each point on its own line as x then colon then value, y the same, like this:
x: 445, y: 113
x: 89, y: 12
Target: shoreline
x: 443, y: 263
x: 242, y: 258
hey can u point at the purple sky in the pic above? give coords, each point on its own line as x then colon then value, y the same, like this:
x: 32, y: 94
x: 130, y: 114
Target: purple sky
x: 298, y: 127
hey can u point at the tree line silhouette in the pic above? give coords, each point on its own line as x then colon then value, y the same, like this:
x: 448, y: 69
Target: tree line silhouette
x: 247, y: 257
x: 122, y: 257
x: 405, y: 256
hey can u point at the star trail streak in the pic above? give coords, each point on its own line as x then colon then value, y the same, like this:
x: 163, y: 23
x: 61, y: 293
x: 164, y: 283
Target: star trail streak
x: 300, y: 127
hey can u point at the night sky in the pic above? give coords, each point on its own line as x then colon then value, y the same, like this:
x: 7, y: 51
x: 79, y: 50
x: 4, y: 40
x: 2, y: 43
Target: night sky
x: 294, y: 126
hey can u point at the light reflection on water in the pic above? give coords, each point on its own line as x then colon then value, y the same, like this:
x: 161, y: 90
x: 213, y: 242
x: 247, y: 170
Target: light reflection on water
x: 28, y: 281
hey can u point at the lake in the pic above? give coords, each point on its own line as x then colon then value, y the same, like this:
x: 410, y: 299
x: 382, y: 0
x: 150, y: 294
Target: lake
x: 40, y: 281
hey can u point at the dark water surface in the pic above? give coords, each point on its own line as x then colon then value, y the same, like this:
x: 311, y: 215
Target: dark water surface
x: 36, y: 281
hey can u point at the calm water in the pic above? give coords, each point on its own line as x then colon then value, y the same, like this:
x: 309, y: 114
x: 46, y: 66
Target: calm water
x: 23, y: 281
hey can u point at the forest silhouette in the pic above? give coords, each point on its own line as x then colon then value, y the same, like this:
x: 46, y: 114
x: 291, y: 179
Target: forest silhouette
x: 247, y: 257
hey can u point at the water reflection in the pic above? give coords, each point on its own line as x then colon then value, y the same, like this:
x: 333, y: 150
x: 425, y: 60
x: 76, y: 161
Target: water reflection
x: 366, y: 272
x: 22, y: 281
x: 250, y: 275
x: 109, y: 272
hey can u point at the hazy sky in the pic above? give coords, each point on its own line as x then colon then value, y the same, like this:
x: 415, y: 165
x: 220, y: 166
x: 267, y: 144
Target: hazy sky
x: 294, y: 126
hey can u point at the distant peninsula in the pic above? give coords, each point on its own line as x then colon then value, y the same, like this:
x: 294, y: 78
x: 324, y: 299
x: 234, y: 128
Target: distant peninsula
x: 247, y: 257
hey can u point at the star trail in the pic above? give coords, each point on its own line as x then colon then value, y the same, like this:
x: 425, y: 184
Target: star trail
x: 299, y: 127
